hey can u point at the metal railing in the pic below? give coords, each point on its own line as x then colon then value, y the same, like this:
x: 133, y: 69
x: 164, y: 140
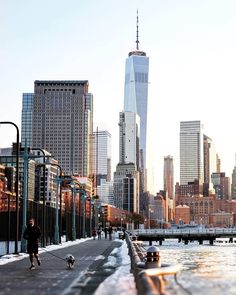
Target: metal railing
x: 149, y: 277
x: 231, y: 230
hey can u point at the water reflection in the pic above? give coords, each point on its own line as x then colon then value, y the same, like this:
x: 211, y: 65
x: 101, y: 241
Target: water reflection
x: 206, y: 269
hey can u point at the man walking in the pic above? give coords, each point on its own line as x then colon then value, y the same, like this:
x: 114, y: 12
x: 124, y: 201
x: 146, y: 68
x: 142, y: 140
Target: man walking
x: 110, y: 232
x: 32, y: 234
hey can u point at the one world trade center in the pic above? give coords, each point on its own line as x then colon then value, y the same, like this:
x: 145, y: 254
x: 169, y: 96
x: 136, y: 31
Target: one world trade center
x: 136, y: 92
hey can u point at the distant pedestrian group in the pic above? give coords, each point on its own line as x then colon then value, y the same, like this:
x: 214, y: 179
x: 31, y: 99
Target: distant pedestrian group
x: 98, y: 232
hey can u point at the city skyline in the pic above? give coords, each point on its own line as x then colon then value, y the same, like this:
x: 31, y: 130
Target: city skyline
x: 191, y: 47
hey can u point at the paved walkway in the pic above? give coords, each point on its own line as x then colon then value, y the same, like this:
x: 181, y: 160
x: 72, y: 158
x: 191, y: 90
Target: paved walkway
x: 53, y: 277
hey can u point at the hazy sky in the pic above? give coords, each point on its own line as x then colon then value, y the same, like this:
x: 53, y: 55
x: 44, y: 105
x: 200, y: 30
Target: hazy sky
x: 192, y: 49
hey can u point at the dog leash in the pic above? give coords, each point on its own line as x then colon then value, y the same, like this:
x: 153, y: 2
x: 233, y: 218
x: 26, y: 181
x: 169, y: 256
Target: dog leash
x: 54, y: 254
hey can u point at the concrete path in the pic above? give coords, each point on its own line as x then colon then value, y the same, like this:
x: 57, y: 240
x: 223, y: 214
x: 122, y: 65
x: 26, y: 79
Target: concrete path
x: 53, y: 277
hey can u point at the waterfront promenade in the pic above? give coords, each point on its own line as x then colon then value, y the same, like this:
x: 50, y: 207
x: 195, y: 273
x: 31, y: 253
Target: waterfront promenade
x: 52, y: 277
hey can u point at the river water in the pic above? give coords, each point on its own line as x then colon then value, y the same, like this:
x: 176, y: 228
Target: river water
x: 205, y: 269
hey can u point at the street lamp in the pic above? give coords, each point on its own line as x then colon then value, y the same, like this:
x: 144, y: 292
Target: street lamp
x: 26, y: 157
x: 74, y: 190
x: 84, y: 213
x: 103, y: 218
x: 44, y: 189
x: 8, y: 210
x: 24, y: 205
x: 57, y: 235
x: 96, y: 211
x: 98, y: 224
x: 121, y: 220
x: 231, y: 221
x: 149, y: 216
x: 73, y: 231
x: 91, y: 206
x: 201, y: 222
x: 17, y: 184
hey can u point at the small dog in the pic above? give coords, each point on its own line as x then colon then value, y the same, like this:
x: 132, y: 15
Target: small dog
x: 70, y: 261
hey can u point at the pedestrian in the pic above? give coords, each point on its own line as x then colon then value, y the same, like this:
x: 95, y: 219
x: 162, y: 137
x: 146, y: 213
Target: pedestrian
x: 32, y: 234
x: 94, y: 233
x: 123, y: 235
x: 99, y: 233
x: 110, y: 232
x: 105, y: 232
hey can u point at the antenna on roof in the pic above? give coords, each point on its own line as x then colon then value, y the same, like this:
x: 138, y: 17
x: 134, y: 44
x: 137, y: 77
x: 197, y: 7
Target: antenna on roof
x: 137, y: 41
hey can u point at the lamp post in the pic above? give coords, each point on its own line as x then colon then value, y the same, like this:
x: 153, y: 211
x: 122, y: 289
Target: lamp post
x: 8, y: 210
x: 17, y: 184
x: 24, y: 207
x: 91, y: 215
x: 57, y: 234
x: 103, y: 217
x: 99, y: 215
x: 44, y: 189
x: 149, y: 217
x: 58, y: 181
x: 79, y: 189
x: 73, y: 231
x: 121, y: 225
x: 84, y: 214
x: 26, y: 157
x: 96, y: 213
x: 201, y: 222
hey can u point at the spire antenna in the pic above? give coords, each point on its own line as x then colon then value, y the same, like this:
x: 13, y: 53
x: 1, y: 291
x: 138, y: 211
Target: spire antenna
x: 137, y: 41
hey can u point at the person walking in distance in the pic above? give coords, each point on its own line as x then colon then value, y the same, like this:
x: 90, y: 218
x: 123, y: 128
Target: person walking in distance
x: 94, y: 233
x: 99, y: 231
x: 32, y: 234
x: 110, y: 232
x: 105, y: 231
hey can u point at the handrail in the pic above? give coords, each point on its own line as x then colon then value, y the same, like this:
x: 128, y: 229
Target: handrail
x: 186, y: 231
x: 163, y: 270
x: 149, y: 281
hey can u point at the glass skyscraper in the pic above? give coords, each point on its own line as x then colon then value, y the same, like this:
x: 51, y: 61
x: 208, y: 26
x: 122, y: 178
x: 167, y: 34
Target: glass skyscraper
x: 191, y: 152
x: 136, y: 90
x: 101, y: 155
x: 169, y: 176
x: 26, y: 119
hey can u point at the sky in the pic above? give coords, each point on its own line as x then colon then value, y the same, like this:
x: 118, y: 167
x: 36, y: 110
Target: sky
x: 191, y: 45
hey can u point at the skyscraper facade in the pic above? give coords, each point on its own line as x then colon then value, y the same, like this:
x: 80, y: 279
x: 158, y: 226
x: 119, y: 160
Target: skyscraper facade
x: 129, y: 125
x: 169, y: 176
x: 221, y: 185
x: 191, y: 152
x: 210, y: 159
x: 233, y: 184
x: 136, y: 91
x: 62, y: 123
x: 210, y: 164
x: 105, y: 191
x: 126, y: 187
x: 101, y: 155
x: 127, y: 176
x: 26, y: 119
